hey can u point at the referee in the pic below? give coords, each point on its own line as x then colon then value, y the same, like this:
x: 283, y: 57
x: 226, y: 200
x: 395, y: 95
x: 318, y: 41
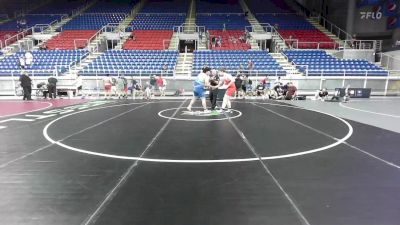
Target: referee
x: 214, y: 84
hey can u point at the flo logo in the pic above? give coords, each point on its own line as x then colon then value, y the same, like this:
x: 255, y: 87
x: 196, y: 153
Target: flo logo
x: 371, y: 15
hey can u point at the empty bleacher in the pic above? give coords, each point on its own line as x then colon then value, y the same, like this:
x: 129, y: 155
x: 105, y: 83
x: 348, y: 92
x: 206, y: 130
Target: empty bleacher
x: 60, y: 7
x: 222, y: 21
x: 70, y: 39
x: 148, y: 40
x: 218, y: 7
x: 175, y: 6
x: 268, y: 6
x: 319, y: 63
x: 4, y: 35
x: 112, y: 7
x: 44, y: 62
x: 31, y: 20
x: 303, y: 34
x: 156, y: 21
x: 230, y: 40
x: 93, y: 21
x: 264, y: 64
x: 132, y: 62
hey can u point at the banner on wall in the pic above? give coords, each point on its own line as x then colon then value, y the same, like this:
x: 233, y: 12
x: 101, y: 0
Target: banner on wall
x: 388, y: 9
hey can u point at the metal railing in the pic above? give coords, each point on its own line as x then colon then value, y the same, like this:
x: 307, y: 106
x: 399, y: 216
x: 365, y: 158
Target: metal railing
x: 18, y: 36
x: 386, y: 86
x: 388, y: 62
x: 331, y: 27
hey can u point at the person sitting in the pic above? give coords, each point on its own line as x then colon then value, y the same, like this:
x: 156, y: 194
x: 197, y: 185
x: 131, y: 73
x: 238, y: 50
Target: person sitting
x: 260, y: 89
x: 291, y: 92
x: 321, y: 94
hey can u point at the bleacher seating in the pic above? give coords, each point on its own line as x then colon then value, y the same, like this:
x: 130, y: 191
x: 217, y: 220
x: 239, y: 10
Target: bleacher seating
x: 148, y: 40
x: 230, y: 40
x: 59, y: 7
x: 44, y: 62
x: 111, y: 7
x: 309, y: 39
x: 320, y: 63
x: 264, y: 64
x: 132, y: 62
x: 268, y: 6
x: 285, y: 21
x: 292, y: 26
x: 176, y: 6
x: 31, y: 20
x: 70, y: 39
x: 218, y: 7
x: 4, y: 35
x: 93, y: 21
x: 221, y: 21
x: 156, y: 21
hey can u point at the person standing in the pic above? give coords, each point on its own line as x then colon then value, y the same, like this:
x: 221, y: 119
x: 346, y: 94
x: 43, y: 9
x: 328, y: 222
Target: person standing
x: 214, y: 85
x: 26, y: 84
x: 78, y: 86
x: 107, y: 82
x: 229, y: 83
x: 161, y: 85
x: 22, y: 63
x: 120, y: 87
x: 52, y: 87
x: 201, y: 82
x: 28, y: 59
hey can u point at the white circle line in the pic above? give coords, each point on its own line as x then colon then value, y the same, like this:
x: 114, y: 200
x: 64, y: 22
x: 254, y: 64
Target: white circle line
x: 366, y: 111
x: 49, y: 105
x: 338, y: 142
x: 197, y: 120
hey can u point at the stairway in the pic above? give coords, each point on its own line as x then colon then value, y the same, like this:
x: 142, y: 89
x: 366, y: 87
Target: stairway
x: 73, y: 72
x: 316, y: 24
x: 290, y: 69
x: 184, y: 65
x: 257, y: 28
x: 79, y: 11
x: 126, y: 23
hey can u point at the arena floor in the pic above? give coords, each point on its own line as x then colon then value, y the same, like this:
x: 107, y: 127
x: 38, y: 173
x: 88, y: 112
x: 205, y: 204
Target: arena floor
x: 139, y: 162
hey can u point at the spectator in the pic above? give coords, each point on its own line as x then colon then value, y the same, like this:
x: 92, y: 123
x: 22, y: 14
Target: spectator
x: 153, y: 82
x: 26, y: 84
x: 52, y: 87
x: 43, y: 46
x: 291, y: 92
x: 107, y: 82
x: 260, y: 89
x: 28, y: 59
x: 22, y: 63
x: 250, y: 66
x: 135, y: 88
x: 78, y: 86
x: 121, y: 87
x: 321, y: 94
x: 148, y: 91
x: 238, y: 85
x: 161, y: 83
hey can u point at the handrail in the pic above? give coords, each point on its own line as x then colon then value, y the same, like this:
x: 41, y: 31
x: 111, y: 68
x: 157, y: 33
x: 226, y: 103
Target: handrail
x: 17, y: 36
x: 324, y: 22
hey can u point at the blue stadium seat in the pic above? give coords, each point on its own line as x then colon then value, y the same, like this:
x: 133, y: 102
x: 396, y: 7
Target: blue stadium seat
x: 320, y: 63
x: 231, y: 60
x: 132, y: 62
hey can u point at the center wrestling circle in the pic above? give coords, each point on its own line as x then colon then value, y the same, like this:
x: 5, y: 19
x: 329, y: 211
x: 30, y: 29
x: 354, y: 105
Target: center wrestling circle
x: 199, y: 116
x: 327, y: 147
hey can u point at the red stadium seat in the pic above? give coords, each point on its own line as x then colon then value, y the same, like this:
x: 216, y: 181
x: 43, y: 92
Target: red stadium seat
x: 309, y: 39
x: 148, y: 40
x: 65, y: 40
